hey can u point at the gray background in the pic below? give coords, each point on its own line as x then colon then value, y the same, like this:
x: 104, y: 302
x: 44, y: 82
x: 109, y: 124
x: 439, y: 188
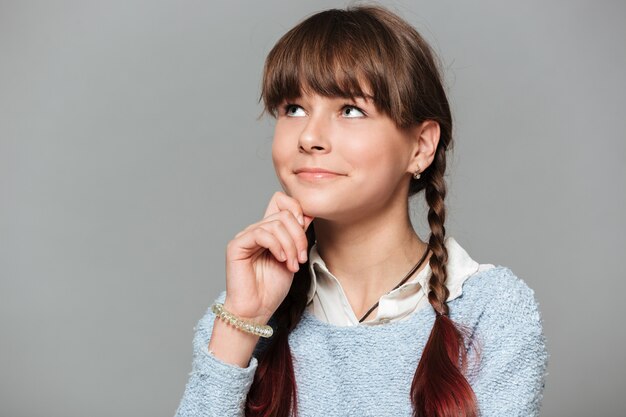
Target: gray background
x: 130, y: 154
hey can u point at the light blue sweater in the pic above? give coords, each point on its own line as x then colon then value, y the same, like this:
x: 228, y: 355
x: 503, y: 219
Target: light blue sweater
x: 367, y: 370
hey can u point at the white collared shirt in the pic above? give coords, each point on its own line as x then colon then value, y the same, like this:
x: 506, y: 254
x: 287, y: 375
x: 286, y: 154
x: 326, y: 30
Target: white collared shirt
x: 327, y: 300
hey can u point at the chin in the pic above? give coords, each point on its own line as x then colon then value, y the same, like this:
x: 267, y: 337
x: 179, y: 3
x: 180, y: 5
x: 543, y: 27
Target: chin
x: 318, y: 204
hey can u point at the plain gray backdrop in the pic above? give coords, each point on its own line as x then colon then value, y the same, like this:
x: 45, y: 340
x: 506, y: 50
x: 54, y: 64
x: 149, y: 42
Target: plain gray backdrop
x: 131, y: 153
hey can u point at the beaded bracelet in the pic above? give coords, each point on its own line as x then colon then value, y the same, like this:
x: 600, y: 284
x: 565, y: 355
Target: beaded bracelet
x: 245, y: 325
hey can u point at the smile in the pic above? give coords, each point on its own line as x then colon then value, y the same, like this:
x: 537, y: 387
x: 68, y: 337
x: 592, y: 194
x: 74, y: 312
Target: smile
x: 317, y: 176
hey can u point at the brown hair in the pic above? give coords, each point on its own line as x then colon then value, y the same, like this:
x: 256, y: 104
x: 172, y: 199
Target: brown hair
x: 334, y: 53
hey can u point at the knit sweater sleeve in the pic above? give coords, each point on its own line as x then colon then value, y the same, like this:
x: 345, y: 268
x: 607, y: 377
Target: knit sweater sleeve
x: 511, y: 377
x: 214, y: 388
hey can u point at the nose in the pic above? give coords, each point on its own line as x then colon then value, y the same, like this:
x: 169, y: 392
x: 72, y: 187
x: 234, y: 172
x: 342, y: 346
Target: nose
x: 314, y: 135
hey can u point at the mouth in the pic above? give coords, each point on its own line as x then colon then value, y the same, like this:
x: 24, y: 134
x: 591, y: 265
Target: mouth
x: 316, y: 176
x: 315, y: 170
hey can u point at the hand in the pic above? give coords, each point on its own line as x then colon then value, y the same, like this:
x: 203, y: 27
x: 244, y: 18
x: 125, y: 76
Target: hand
x: 261, y: 260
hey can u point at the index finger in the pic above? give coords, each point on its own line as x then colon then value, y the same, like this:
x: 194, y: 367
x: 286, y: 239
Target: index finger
x: 281, y: 201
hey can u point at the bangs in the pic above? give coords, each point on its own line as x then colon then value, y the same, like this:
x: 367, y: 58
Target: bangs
x: 333, y: 54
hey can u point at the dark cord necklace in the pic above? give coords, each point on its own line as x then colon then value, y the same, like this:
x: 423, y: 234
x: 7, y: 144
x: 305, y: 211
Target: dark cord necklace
x: 406, y: 277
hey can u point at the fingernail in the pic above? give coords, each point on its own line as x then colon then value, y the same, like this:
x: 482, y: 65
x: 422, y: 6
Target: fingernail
x: 302, y: 256
x: 301, y: 220
x: 283, y: 257
x: 295, y: 264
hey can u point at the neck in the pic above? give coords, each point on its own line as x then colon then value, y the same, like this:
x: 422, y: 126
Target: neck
x: 369, y: 257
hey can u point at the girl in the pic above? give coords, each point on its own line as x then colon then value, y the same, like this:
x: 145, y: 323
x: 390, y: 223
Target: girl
x: 333, y: 305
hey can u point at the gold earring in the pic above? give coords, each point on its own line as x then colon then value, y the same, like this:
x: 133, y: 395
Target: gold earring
x: 417, y: 174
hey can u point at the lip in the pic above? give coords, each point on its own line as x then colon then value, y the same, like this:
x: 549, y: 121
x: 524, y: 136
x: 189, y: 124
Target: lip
x: 315, y: 170
x: 316, y: 174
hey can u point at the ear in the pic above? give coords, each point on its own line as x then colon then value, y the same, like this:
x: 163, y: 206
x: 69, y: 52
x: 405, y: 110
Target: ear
x: 425, y: 137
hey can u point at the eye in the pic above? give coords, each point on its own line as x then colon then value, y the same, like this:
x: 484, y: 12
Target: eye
x: 351, y: 114
x: 350, y: 107
x: 290, y: 106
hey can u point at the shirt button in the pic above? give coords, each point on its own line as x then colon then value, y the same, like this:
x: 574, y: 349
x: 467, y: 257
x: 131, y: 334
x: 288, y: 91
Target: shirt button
x: 384, y: 320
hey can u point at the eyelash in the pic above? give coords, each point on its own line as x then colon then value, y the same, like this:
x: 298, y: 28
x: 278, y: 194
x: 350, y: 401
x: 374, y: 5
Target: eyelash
x: 288, y: 105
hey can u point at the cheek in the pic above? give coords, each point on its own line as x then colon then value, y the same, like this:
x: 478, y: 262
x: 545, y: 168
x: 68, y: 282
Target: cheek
x: 276, y: 155
x: 373, y: 157
x: 280, y: 149
x: 283, y: 154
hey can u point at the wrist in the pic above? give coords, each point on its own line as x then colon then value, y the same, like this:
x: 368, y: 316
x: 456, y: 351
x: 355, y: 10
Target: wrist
x: 254, y: 317
x: 242, y: 324
x: 231, y: 345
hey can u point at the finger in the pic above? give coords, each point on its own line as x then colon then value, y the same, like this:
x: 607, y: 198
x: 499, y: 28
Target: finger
x: 256, y: 224
x: 301, y: 244
x: 251, y: 241
x: 281, y: 201
x: 297, y: 232
x: 280, y: 232
x: 249, y: 227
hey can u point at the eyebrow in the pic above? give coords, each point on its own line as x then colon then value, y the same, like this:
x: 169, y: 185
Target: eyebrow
x: 365, y: 97
x: 368, y: 99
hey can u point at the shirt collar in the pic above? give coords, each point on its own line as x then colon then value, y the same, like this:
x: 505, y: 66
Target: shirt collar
x: 460, y: 266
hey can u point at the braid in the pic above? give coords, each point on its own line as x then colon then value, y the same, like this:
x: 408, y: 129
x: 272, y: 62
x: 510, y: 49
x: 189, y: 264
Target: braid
x: 273, y: 391
x: 439, y: 387
x: 435, y: 193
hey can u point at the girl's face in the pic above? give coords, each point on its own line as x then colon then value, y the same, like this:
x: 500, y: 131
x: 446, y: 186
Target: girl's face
x: 370, y: 156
